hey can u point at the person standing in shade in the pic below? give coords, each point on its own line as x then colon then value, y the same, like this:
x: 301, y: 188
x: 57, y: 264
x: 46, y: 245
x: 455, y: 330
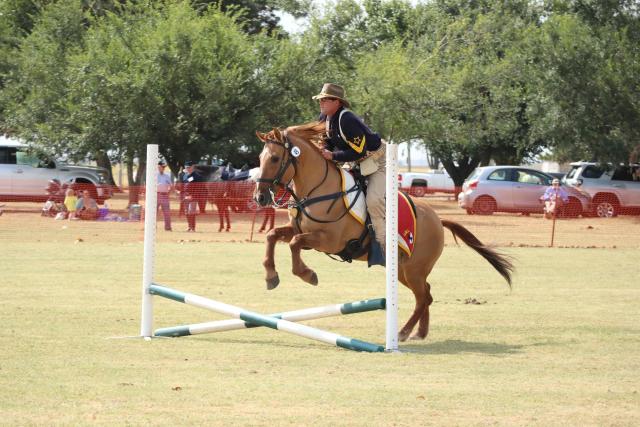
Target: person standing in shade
x: 193, y: 188
x: 164, y: 189
x: 349, y: 140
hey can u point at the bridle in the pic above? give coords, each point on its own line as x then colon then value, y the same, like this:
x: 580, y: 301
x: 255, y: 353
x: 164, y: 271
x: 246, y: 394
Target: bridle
x: 302, y: 203
x: 291, y: 160
x: 284, y: 165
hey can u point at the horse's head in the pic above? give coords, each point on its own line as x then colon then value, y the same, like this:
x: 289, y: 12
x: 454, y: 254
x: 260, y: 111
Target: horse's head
x: 277, y: 165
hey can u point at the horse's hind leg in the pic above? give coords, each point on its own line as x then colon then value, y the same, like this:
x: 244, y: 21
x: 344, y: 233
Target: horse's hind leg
x: 285, y: 234
x: 423, y: 327
x: 420, y: 293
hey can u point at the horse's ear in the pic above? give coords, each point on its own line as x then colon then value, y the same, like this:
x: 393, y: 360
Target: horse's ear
x: 261, y: 136
x: 277, y: 134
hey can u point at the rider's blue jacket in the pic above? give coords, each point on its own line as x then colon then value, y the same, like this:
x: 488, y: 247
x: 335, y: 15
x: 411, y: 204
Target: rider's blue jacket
x: 355, y: 139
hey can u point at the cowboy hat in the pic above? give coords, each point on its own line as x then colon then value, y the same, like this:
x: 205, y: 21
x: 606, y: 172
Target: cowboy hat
x: 330, y: 90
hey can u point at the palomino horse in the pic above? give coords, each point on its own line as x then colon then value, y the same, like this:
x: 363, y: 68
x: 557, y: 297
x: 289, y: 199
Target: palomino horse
x: 292, y: 159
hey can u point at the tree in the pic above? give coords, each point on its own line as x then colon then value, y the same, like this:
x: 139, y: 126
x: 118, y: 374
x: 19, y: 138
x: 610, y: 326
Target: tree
x: 470, y: 92
x: 589, y: 103
x: 257, y: 15
x: 145, y: 75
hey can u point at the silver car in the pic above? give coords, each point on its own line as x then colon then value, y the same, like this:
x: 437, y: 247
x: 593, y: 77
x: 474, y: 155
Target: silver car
x: 614, y: 190
x: 515, y: 189
x: 25, y: 176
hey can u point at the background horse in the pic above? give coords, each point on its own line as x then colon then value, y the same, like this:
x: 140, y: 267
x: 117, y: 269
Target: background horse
x: 230, y: 190
x: 292, y: 158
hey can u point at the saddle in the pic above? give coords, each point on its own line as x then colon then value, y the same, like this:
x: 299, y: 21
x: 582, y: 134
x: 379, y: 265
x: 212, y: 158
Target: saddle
x: 356, y: 248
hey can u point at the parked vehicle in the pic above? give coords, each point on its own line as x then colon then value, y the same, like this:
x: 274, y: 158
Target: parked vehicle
x: 26, y: 177
x: 614, y: 190
x: 558, y: 175
x: 515, y: 189
x: 418, y: 184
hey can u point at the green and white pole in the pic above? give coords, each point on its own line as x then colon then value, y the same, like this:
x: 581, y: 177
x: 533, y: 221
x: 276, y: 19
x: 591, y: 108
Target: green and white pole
x: 262, y: 320
x: 292, y: 316
x: 151, y: 196
x: 392, y: 248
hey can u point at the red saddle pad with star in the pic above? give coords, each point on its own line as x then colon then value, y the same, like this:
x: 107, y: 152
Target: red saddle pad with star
x: 406, y: 223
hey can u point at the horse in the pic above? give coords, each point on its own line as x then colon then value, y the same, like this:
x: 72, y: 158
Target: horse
x: 230, y: 190
x: 292, y: 159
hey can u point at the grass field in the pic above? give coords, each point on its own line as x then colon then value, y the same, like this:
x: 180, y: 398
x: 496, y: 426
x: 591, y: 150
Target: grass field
x: 561, y: 348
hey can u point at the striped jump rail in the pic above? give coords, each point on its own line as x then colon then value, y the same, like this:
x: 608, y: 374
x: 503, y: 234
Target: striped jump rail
x: 292, y: 316
x: 262, y: 320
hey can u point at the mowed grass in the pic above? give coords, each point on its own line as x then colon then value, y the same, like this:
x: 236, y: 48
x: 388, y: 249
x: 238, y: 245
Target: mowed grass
x: 561, y: 348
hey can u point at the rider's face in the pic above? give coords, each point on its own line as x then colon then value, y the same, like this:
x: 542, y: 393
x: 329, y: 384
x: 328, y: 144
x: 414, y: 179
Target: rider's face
x: 328, y: 106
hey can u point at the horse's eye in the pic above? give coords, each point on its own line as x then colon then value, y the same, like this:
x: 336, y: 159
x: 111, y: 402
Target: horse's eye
x: 275, y: 159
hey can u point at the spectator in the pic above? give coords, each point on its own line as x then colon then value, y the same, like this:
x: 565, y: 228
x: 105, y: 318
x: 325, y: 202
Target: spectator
x: 635, y: 174
x: 164, y: 189
x: 179, y: 187
x: 86, y: 208
x: 554, y: 197
x: 193, y: 189
x: 70, y: 202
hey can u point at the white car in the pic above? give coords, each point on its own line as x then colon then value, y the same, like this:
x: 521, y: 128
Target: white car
x: 614, y: 190
x: 25, y: 177
x: 418, y: 184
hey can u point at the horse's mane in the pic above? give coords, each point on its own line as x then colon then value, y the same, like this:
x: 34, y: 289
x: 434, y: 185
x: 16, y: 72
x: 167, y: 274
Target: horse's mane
x: 311, y: 132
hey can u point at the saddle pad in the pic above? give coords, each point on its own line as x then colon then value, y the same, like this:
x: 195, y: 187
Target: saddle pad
x: 359, y: 210
x: 406, y: 223
x: 406, y: 213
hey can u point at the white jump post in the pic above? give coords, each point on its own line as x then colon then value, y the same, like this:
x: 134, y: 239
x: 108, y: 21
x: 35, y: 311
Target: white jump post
x: 392, y: 249
x: 148, y: 267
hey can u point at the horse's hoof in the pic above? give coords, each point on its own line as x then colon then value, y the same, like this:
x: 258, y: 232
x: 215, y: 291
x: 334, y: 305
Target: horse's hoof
x: 273, y: 282
x: 402, y: 336
x: 313, y: 279
x: 416, y: 337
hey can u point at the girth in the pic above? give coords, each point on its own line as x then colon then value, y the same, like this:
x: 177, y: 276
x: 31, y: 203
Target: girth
x: 355, y: 248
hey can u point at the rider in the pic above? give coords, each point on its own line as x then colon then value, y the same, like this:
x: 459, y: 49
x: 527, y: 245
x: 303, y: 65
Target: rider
x: 348, y: 139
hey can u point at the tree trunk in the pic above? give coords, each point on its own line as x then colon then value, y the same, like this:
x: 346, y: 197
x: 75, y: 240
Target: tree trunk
x: 102, y: 160
x: 460, y: 171
x: 432, y: 160
x: 134, y: 187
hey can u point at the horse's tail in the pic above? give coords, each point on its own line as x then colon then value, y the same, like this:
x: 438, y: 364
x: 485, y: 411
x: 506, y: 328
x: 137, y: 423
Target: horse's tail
x: 500, y: 262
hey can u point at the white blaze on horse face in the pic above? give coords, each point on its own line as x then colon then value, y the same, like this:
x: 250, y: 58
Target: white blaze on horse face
x: 270, y: 162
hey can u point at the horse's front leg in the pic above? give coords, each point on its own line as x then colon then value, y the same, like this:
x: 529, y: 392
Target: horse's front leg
x: 311, y: 240
x: 285, y: 234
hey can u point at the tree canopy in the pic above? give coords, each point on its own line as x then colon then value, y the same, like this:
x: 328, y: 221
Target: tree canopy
x: 473, y: 80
